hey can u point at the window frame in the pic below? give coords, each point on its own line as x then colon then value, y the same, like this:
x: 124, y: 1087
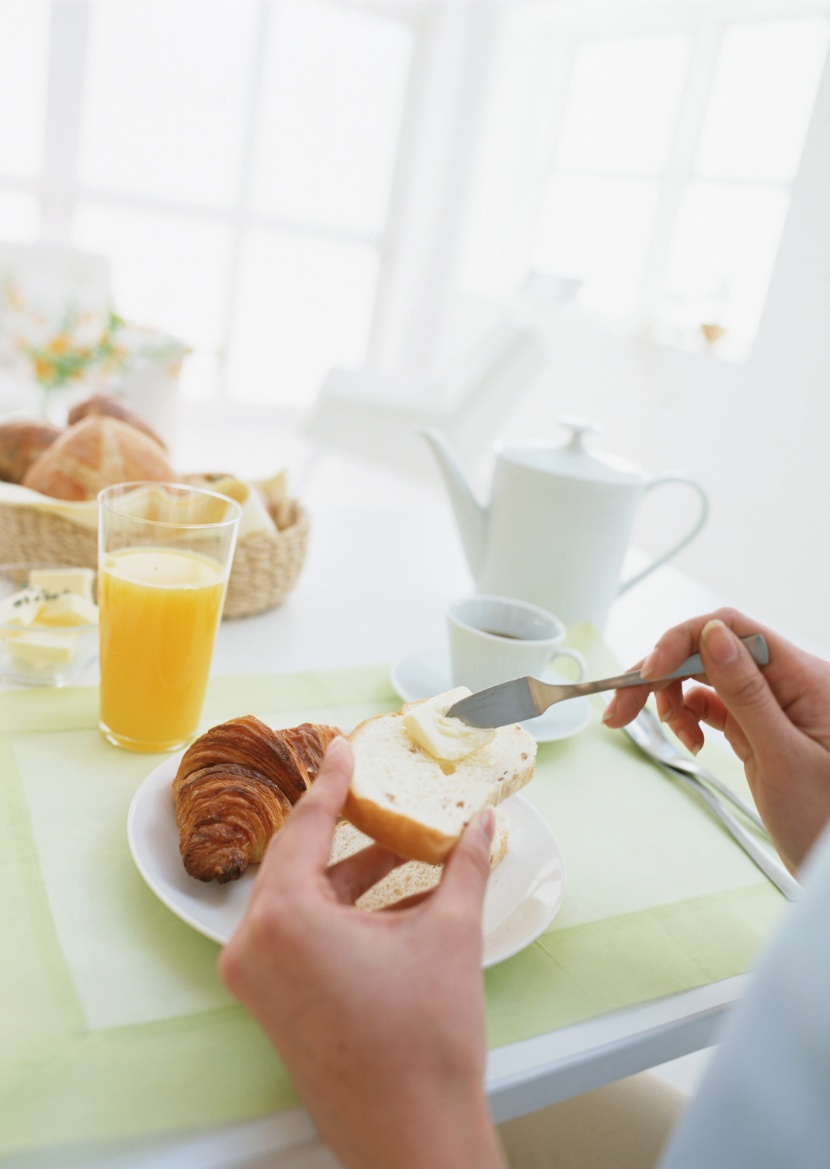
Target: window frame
x: 706, y: 23
x: 453, y: 46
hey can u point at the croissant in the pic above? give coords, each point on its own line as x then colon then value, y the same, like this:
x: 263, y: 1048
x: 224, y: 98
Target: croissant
x: 234, y: 788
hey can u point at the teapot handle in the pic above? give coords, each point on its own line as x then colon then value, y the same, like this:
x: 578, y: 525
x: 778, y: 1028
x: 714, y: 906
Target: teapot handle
x: 658, y: 481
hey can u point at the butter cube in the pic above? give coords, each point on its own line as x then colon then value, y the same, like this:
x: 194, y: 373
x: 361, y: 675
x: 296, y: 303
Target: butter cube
x: 64, y: 580
x: 42, y: 649
x: 67, y: 609
x: 21, y: 608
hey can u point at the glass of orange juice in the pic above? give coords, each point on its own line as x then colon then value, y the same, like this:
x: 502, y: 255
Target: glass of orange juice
x: 164, y: 556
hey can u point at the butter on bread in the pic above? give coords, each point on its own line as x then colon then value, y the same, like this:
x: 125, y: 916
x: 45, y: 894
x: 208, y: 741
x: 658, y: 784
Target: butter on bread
x: 408, y: 879
x: 445, y: 738
x: 416, y: 804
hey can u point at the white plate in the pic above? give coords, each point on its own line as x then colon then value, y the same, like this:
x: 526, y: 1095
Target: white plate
x: 426, y: 674
x: 523, y: 895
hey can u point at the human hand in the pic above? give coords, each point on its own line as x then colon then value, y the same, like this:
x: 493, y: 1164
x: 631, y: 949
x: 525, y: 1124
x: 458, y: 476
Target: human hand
x: 776, y: 719
x: 379, y: 1017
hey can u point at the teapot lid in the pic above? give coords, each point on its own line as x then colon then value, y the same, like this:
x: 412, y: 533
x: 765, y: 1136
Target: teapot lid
x: 575, y: 461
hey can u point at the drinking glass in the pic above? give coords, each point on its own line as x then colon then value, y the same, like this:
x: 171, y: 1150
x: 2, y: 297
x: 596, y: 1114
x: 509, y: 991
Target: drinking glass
x: 164, y: 557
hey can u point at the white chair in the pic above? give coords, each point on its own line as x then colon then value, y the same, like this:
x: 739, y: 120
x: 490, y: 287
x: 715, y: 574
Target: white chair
x: 377, y: 415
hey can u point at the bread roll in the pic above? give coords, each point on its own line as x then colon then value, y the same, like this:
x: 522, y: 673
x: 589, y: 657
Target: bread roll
x: 95, y: 453
x: 111, y: 406
x: 22, y: 440
x: 417, y: 805
x: 409, y: 879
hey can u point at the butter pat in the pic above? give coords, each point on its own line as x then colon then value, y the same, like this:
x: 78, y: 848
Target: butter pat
x: 67, y: 609
x: 21, y: 608
x: 445, y: 738
x: 64, y: 580
x: 41, y: 649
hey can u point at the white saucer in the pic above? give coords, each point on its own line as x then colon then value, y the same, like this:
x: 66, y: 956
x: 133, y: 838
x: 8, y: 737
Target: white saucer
x: 425, y: 674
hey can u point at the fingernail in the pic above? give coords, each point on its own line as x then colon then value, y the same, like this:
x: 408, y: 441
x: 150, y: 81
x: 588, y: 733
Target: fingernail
x: 610, y: 710
x: 487, y: 822
x: 338, y: 746
x: 648, y: 665
x: 720, y: 643
x: 665, y: 715
x: 688, y: 742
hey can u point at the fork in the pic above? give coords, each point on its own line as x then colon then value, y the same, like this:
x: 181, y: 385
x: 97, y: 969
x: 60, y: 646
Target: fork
x: 649, y: 736
x: 769, y: 865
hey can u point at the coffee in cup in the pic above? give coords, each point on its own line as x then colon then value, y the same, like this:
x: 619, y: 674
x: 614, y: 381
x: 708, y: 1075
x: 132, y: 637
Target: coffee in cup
x: 494, y: 639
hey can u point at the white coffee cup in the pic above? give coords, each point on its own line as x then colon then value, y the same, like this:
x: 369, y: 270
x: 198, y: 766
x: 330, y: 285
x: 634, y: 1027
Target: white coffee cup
x: 494, y: 639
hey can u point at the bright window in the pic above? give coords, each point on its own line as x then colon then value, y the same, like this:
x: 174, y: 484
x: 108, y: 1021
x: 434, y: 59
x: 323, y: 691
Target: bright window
x: 165, y: 98
x: 304, y: 305
x: 598, y: 229
x: 622, y: 104
x: 24, y: 32
x: 669, y: 185
x: 19, y: 217
x: 234, y: 159
x: 722, y: 255
x: 291, y: 185
x: 327, y: 135
x: 170, y: 269
x: 761, y: 100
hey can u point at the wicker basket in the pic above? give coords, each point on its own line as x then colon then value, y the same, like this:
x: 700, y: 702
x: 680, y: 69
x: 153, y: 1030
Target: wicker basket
x: 265, y: 567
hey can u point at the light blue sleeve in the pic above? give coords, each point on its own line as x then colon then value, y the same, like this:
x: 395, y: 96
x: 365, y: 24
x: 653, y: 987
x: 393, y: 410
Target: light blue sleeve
x: 765, y: 1100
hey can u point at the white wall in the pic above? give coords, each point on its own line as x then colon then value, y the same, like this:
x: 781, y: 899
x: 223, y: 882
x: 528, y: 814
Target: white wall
x: 756, y: 435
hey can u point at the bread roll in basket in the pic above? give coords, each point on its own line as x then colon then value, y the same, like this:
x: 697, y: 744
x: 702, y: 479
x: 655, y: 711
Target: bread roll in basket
x: 266, y: 565
x: 270, y: 550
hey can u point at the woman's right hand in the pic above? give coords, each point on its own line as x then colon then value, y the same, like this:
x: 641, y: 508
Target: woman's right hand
x: 777, y: 719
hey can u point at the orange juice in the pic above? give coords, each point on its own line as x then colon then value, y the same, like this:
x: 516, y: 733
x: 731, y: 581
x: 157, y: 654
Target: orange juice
x: 159, y: 612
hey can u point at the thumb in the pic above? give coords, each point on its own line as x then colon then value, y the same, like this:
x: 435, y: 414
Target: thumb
x: 468, y: 866
x: 740, y: 685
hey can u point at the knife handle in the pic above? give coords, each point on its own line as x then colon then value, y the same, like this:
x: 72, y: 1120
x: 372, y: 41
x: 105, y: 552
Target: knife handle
x: 756, y: 644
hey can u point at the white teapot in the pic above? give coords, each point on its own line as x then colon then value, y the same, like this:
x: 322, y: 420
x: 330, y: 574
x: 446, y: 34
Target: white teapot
x: 557, y: 526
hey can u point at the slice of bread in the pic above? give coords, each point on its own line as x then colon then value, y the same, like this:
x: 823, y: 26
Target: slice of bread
x: 410, y: 878
x: 417, y: 805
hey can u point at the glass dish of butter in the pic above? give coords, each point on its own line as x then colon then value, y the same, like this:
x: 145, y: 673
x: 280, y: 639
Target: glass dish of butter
x: 48, y: 623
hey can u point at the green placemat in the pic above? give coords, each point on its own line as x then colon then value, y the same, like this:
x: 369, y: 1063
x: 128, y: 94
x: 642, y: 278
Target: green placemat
x: 113, y: 1022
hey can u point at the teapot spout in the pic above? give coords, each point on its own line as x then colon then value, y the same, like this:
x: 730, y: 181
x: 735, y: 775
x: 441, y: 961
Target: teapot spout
x: 472, y: 519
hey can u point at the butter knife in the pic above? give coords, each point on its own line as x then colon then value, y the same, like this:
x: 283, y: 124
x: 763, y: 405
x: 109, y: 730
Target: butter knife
x: 526, y: 698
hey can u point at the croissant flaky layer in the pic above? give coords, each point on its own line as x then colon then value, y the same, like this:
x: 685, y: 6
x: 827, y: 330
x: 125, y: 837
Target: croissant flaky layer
x: 234, y: 788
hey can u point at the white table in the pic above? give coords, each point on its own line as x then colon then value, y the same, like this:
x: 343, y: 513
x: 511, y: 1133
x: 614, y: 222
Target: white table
x: 375, y: 587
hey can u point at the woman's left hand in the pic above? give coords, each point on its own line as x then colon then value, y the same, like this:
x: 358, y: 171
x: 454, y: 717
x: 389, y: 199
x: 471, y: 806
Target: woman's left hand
x: 379, y: 1016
